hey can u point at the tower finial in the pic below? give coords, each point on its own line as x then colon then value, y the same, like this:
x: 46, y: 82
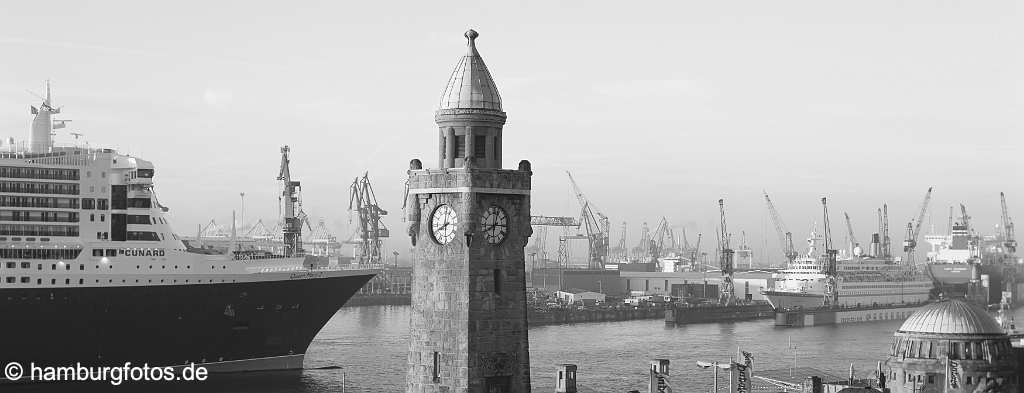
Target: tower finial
x: 471, y: 40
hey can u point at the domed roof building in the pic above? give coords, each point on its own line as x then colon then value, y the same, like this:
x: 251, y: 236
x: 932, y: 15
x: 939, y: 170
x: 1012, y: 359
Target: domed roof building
x: 951, y: 346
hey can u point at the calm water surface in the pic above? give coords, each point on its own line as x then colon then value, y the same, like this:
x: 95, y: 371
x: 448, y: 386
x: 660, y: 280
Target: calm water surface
x: 363, y: 349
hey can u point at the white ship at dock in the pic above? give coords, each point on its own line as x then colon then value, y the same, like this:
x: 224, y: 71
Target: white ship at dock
x: 862, y: 281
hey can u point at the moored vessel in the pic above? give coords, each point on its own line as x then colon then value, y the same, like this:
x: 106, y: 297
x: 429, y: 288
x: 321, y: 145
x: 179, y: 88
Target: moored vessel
x: 91, y: 270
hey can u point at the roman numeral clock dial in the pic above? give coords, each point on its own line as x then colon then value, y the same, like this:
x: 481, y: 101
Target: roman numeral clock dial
x: 494, y: 224
x: 443, y: 223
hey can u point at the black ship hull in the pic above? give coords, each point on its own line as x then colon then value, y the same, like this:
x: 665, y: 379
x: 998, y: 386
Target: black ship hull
x: 250, y: 326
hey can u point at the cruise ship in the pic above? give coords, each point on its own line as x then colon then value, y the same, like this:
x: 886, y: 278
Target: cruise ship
x: 861, y: 281
x: 92, y: 271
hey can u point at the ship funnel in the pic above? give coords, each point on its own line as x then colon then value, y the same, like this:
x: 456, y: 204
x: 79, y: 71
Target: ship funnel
x: 876, y: 245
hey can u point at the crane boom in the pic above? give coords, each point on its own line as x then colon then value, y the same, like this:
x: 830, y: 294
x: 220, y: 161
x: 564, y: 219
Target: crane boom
x: 853, y: 237
x: 596, y: 225
x: 830, y: 264
x: 725, y: 259
x: 914, y: 232
x: 1008, y: 238
x: 785, y: 236
x: 370, y: 229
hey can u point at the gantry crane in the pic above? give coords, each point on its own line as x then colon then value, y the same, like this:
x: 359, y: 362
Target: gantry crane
x: 854, y: 245
x: 725, y: 253
x: 549, y: 221
x: 290, y: 203
x: 596, y: 225
x: 914, y: 230
x: 370, y: 229
x: 785, y: 236
x: 541, y: 238
x: 1008, y: 239
x: 829, y: 268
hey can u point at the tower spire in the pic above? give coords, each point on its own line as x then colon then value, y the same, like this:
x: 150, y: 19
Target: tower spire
x: 469, y: 115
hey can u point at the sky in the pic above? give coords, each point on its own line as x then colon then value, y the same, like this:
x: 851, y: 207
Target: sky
x: 657, y: 108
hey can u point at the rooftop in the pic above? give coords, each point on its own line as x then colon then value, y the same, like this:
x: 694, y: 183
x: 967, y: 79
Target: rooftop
x: 471, y: 85
x: 952, y: 317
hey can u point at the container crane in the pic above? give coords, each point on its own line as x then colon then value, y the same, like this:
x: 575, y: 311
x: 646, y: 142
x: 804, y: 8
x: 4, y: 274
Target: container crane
x: 370, y: 228
x: 726, y: 295
x: 596, y: 225
x: 1008, y: 239
x: 785, y: 236
x: 855, y: 248
x: 829, y: 268
x: 914, y: 230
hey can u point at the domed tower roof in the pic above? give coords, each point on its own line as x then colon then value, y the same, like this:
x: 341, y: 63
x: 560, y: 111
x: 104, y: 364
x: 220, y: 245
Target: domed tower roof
x: 952, y: 317
x: 471, y: 85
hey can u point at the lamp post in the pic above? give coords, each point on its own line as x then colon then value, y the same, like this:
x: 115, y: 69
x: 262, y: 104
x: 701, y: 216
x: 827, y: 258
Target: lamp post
x: 716, y: 366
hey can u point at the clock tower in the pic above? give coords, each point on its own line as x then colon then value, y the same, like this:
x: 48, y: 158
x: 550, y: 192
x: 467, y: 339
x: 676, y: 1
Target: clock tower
x: 469, y: 221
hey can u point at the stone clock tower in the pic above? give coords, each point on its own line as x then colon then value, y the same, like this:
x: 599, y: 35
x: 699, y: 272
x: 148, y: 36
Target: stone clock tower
x: 469, y: 221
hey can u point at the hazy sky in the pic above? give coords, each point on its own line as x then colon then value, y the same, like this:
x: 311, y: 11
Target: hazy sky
x: 658, y: 108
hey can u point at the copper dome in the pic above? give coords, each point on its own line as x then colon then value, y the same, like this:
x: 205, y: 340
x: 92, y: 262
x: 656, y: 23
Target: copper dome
x: 952, y: 317
x: 471, y: 85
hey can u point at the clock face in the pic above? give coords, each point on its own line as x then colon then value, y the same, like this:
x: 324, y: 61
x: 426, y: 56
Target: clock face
x: 494, y: 224
x: 443, y: 223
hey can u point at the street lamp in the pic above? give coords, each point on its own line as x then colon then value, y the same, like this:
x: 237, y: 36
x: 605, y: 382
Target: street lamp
x: 715, y: 366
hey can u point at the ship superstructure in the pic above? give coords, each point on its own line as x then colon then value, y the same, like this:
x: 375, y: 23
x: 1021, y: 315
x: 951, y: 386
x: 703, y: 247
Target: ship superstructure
x: 90, y: 264
x: 859, y: 281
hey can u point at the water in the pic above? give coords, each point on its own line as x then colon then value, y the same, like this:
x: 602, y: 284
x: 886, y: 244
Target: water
x: 367, y: 345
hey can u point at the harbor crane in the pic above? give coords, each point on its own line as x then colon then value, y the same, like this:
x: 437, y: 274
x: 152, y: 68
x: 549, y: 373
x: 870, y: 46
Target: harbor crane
x: 290, y: 203
x: 785, y: 236
x: 829, y: 268
x: 548, y: 221
x: 914, y: 230
x: 541, y: 238
x: 695, y: 254
x: 725, y: 254
x: 621, y: 250
x: 643, y: 250
x: 686, y: 242
x: 855, y: 249
x: 370, y: 228
x: 965, y: 219
x: 1008, y: 239
x: 596, y: 225
x: 658, y: 240
x: 883, y: 228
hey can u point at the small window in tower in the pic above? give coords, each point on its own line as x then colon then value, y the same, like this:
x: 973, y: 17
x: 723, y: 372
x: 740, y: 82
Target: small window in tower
x: 437, y: 367
x: 497, y: 281
x: 479, y: 146
x: 460, y: 146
